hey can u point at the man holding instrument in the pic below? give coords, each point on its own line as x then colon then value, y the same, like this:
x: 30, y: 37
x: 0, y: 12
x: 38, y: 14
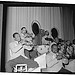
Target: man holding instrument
x: 17, y: 54
x: 26, y: 37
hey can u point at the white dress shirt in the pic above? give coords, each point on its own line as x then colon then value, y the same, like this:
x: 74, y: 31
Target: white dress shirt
x: 16, y: 49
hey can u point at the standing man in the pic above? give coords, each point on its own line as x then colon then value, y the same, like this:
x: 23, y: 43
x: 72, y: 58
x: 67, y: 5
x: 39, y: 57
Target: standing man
x: 28, y: 39
x: 17, y: 54
x: 24, y: 33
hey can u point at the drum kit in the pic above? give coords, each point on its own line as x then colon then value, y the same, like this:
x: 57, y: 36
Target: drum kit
x: 43, y: 49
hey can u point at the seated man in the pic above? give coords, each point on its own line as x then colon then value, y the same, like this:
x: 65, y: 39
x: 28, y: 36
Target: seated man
x: 53, y: 62
x: 17, y: 55
x: 52, y: 55
x: 53, y: 65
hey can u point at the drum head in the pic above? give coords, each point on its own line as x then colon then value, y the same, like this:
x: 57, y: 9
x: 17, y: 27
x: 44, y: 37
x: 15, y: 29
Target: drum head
x: 43, y: 49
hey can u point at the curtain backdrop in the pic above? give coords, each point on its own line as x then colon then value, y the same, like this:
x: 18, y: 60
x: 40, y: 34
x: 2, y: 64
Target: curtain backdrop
x: 48, y: 18
x: 67, y: 23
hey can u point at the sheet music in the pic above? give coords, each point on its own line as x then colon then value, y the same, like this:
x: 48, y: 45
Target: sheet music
x: 41, y: 60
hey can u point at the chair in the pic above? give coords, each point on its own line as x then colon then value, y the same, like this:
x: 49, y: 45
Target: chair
x: 43, y: 49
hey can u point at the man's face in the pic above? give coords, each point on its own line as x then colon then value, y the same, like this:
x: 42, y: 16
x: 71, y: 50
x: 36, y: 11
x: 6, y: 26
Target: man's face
x: 54, y: 49
x: 68, y: 42
x: 56, y: 40
x: 17, y: 37
x: 23, y: 31
x: 47, y: 33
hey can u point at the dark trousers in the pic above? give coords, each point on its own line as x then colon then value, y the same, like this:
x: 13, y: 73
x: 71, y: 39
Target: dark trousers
x: 31, y: 54
x: 20, y: 60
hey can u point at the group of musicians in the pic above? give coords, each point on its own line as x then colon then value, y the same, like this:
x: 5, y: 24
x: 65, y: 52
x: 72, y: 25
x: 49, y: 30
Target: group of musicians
x: 24, y: 49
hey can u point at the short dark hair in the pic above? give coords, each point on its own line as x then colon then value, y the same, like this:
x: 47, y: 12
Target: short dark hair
x: 23, y: 28
x: 15, y: 34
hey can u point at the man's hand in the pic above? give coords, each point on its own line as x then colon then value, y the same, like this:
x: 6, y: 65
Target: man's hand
x: 22, y: 42
x: 59, y: 56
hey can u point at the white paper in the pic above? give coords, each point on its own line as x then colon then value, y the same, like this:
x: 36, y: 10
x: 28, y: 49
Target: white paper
x: 41, y: 60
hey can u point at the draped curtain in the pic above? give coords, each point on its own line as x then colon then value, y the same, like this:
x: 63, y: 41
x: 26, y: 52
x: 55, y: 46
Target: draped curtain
x: 67, y: 23
x: 48, y: 17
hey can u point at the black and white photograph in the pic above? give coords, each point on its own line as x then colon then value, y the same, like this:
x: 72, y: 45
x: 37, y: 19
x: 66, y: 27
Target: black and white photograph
x: 37, y: 37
